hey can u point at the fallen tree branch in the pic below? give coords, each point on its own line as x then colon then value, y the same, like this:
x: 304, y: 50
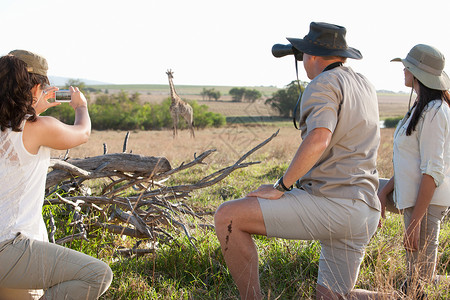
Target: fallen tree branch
x: 136, y: 197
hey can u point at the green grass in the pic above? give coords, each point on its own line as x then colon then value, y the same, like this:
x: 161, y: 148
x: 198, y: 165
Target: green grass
x: 288, y: 269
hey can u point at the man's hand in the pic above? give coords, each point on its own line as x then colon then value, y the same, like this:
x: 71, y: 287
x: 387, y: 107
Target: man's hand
x: 266, y: 191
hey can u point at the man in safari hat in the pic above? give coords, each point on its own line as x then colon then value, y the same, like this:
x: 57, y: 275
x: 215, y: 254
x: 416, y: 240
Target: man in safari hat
x: 335, y: 201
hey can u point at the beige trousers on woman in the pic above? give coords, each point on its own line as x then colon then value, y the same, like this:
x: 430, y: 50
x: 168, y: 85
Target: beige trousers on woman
x: 421, y: 264
x: 63, y: 273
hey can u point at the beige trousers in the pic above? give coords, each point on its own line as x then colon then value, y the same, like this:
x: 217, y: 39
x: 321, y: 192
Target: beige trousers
x: 421, y: 264
x: 19, y: 294
x: 63, y: 273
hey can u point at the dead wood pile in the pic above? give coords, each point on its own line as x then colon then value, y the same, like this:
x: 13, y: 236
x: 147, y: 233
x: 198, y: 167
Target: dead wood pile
x: 134, y: 199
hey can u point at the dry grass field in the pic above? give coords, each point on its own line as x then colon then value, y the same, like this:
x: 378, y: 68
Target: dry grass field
x: 231, y: 143
x: 393, y: 105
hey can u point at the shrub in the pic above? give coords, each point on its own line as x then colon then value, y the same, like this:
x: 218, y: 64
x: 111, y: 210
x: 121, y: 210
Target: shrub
x: 284, y: 100
x: 121, y: 112
x: 392, y: 122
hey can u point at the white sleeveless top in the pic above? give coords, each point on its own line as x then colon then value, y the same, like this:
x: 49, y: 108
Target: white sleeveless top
x: 22, y: 189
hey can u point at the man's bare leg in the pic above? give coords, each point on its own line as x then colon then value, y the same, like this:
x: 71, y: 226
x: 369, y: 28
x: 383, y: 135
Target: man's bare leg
x: 235, y: 222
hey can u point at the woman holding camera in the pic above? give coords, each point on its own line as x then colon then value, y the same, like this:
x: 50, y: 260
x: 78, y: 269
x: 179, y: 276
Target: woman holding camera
x: 421, y: 182
x: 27, y: 259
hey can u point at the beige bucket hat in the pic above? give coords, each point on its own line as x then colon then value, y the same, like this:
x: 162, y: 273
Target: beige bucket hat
x: 35, y: 63
x: 427, y: 63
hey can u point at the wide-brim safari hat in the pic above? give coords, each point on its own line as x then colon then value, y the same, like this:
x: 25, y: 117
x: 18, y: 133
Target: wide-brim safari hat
x: 325, y: 39
x: 35, y: 63
x: 427, y: 63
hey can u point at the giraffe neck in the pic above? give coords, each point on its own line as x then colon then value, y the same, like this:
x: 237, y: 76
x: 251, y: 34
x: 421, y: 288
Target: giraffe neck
x: 173, y: 93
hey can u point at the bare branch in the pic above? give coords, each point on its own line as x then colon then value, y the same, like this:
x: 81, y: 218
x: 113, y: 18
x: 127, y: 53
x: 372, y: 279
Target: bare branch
x: 70, y: 238
x: 125, y: 142
x: 52, y: 225
x: 149, y: 208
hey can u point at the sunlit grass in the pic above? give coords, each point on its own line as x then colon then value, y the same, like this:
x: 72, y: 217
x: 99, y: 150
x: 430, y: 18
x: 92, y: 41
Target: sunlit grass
x: 288, y: 268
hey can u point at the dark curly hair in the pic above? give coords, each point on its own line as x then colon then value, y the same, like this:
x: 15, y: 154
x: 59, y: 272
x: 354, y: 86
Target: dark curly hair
x: 15, y: 92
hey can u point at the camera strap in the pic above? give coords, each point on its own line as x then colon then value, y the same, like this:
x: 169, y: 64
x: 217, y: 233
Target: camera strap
x: 329, y: 67
x: 294, y: 117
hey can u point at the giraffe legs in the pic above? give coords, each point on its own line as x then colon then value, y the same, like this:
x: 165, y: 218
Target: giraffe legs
x: 189, y: 118
x: 190, y: 122
x: 191, y: 127
x: 175, y: 122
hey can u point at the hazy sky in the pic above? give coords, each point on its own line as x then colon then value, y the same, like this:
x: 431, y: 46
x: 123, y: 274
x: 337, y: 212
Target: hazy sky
x: 209, y: 42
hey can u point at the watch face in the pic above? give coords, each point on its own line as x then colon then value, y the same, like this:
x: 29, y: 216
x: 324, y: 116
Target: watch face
x: 278, y: 186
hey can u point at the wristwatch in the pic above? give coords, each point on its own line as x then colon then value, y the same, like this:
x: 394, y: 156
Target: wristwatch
x: 279, y: 185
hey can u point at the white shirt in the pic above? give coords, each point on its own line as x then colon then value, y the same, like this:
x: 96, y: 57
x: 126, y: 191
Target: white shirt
x: 22, y: 190
x: 425, y: 151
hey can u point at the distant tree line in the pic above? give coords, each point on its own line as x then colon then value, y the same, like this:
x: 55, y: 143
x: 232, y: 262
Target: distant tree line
x: 122, y: 111
x: 210, y: 94
x: 244, y: 94
x: 238, y: 94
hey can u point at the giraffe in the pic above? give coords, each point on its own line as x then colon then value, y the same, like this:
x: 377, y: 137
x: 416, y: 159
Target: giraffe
x: 179, y: 107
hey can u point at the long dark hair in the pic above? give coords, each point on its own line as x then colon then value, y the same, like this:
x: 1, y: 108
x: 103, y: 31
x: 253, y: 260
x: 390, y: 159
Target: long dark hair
x: 425, y: 96
x: 16, y: 99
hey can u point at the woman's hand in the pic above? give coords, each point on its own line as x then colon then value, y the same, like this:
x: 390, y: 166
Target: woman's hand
x: 77, y: 98
x: 424, y: 196
x: 411, y: 237
x: 42, y: 103
x: 266, y: 191
x: 383, y: 201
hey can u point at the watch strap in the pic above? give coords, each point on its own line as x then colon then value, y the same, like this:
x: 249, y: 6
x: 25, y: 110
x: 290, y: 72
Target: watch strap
x: 279, y: 185
x: 284, y: 187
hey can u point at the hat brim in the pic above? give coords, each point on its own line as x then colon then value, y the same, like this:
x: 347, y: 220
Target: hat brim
x: 317, y: 50
x: 431, y: 81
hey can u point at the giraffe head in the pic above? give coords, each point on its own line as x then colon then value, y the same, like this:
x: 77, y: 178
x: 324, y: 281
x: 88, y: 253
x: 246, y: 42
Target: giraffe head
x: 170, y: 73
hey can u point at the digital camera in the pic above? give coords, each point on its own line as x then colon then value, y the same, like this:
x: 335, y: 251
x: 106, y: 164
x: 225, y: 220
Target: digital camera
x: 63, y: 96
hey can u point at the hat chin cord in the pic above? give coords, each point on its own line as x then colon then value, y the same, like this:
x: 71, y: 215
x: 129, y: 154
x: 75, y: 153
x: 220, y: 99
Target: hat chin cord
x: 410, y: 98
x: 410, y: 95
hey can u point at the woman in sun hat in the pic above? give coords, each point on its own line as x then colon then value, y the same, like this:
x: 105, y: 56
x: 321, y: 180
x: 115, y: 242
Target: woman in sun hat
x: 27, y: 259
x: 421, y: 183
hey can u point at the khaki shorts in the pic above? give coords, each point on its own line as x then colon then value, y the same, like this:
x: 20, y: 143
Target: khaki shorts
x: 343, y: 227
